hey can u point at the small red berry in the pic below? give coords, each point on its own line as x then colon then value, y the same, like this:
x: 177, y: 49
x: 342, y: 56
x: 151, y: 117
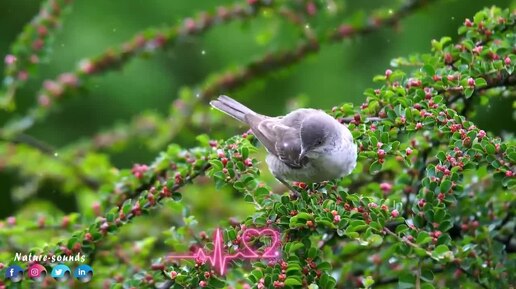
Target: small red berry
x: 507, y: 60
x: 388, y: 73
x: 311, y: 9
x: 11, y: 221
x: 10, y: 59
x: 385, y: 187
x: 448, y: 58
x: 203, y: 283
x: 173, y: 275
x: 158, y: 266
x: 471, y: 82
x: 468, y: 22
x: 346, y: 30
x: 395, y: 213
x: 381, y: 153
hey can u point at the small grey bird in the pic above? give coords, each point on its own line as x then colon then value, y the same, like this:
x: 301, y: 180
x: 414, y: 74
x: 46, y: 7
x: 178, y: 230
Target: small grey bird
x: 306, y: 145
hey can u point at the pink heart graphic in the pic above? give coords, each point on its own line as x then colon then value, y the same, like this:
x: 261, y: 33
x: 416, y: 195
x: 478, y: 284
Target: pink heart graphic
x: 271, y: 251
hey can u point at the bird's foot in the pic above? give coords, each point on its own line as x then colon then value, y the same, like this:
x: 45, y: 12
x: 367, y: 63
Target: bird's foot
x: 293, y: 192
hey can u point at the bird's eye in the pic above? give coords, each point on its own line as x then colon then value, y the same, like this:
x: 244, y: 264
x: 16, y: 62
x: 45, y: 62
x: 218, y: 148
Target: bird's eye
x: 319, y: 142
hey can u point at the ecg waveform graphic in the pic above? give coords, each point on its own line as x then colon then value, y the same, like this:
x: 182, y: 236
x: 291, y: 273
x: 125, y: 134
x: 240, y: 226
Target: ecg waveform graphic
x: 219, y: 259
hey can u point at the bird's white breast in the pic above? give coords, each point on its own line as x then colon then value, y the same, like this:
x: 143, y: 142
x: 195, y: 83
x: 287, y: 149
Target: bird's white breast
x: 337, y: 161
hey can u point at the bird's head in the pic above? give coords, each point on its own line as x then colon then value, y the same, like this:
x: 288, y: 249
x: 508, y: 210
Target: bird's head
x: 316, y: 135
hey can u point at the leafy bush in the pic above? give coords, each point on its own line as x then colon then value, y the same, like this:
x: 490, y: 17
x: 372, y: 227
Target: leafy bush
x: 430, y: 204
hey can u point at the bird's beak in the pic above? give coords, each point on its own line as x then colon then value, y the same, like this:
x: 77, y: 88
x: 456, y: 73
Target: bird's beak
x: 302, y: 154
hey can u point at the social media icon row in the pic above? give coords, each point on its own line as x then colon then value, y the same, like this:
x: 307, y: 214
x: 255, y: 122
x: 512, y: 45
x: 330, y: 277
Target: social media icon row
x: 61, y: 273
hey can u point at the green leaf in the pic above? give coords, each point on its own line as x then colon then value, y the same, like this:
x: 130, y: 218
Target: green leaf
x: 440, y: 251
x: 312, y: 252
x: 304, y: 216
x: 379, y: 78
x: 216, y: 165
x: 428, y: 69
x: 291, y: 281
x: 368, y: 282
x: 296, y: 246
x: 324, y: 266
x: 245, y: 153
x: 480, y: 82
x: 375, y: 240
x: 375, y: 167
x: 406, y: 280
x: 445, y: 186
x: 216, y: 283
x: 420, y: 252
x: 261, y: 192
x: 468, y: 92
x: 177, y: 196
x: 427, y: 275
x: 423, y: 238
x: 203, y: 139
x: 490, y: 149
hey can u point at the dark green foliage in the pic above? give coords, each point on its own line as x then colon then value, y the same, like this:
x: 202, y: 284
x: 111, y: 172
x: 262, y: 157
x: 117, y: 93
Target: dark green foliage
x: 430, y: 205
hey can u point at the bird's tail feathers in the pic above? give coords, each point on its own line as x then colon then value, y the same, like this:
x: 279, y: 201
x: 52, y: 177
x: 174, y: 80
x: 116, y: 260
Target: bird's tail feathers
x: 231, y: 107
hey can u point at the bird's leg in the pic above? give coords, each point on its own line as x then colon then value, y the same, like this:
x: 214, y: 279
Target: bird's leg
x: 288, y: 186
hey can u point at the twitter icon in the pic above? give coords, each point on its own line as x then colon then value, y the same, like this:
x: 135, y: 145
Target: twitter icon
x: 61, y: 273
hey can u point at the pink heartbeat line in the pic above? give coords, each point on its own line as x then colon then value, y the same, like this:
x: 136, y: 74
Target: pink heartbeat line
x: 219, y: 258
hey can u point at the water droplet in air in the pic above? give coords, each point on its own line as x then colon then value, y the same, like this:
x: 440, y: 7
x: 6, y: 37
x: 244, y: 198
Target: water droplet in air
x: 203, y: 52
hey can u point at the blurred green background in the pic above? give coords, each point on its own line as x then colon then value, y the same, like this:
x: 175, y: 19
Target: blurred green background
x: 338, y: 73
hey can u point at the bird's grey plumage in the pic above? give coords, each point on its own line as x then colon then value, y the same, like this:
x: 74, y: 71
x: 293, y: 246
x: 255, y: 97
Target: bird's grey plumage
x: 305, y: 145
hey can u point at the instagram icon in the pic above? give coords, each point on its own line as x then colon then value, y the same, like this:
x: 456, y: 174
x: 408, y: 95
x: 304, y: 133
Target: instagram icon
x: 36, y: 272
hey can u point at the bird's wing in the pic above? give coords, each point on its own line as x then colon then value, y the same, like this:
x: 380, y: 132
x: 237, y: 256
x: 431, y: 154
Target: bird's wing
x: 280, y: 140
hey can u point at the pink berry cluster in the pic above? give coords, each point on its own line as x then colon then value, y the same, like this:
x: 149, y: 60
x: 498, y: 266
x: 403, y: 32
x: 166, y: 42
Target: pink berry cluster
x: 30, y: 45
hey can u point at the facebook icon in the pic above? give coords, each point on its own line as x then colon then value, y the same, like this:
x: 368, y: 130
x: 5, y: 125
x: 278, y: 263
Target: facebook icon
x: 14, y: 273
x: 83, y: 273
